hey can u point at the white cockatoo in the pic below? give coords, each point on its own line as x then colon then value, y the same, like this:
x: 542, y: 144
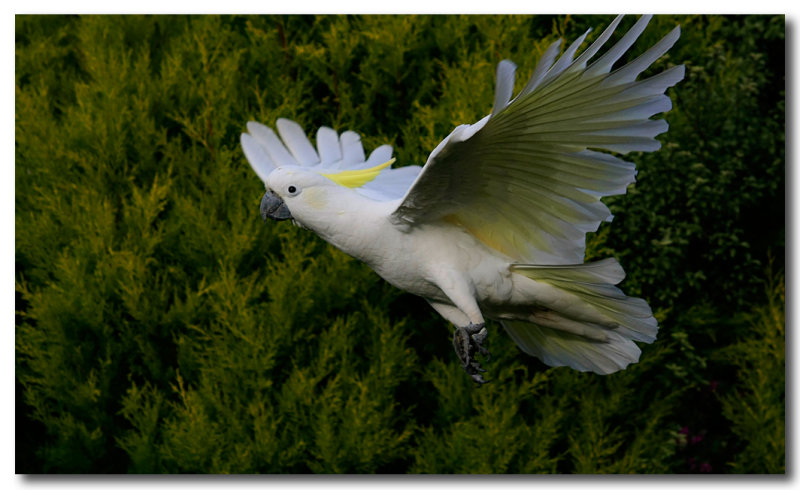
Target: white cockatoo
x: 494, y: 224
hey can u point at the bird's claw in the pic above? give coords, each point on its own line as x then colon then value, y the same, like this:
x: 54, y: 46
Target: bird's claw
x: 467, y: 341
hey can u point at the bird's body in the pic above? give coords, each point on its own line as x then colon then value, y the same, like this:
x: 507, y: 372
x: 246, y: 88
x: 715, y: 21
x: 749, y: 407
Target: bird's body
x: 493, y: 226
x: 438, y: 261
x: 413, y: 259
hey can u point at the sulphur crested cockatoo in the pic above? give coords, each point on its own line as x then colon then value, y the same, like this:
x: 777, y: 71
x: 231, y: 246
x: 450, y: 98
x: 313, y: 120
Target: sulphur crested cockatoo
x: 494, y: 224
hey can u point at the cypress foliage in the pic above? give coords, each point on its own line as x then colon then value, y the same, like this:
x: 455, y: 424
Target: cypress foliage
x: 161, y: 327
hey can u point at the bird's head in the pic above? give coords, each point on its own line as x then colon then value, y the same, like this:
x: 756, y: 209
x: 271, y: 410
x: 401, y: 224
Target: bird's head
x: 291, y: 193
x: 303, y: 194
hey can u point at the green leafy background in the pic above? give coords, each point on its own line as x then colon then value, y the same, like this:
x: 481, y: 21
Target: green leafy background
x: 162, y: 327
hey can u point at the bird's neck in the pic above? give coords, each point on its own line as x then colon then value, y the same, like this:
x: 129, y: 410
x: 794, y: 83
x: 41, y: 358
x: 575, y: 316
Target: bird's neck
x: 356, y: 225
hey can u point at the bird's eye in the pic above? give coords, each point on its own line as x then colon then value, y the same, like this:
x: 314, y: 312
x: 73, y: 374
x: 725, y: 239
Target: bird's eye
x: 292, y: 189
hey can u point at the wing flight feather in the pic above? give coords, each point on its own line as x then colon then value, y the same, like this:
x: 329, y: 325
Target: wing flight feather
x: 527, y: 179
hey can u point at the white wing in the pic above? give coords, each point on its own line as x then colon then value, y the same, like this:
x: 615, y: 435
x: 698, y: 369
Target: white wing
x: 527, y: 179
x: 266, y: 151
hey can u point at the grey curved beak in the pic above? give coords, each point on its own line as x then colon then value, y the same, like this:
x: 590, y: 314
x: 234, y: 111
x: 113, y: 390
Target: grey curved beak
x: 273, y: 207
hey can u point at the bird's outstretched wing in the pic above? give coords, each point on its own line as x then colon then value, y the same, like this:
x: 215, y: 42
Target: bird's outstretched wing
x: 527, y: 179
x: 334, y: 154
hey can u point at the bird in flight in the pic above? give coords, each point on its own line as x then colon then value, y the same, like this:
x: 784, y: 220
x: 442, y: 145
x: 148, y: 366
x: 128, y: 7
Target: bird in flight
x: 493, y: 225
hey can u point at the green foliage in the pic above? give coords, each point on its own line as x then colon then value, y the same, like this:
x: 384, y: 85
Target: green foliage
x: 161, y: 327
x: 756, y: 408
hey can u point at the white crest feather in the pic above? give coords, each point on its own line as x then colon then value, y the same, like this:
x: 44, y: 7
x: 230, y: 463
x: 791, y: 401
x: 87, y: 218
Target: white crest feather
x: 334, y: 154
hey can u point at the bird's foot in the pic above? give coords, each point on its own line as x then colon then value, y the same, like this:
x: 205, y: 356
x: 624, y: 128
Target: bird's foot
x: 468, y: 341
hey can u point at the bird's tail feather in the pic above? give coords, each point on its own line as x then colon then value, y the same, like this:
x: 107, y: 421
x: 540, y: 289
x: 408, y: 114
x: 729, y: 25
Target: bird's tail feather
x: 561, y: 348
x: 603, y: 346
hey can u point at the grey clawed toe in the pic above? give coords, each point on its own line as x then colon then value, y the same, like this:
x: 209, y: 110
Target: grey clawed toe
x: 467, y: 342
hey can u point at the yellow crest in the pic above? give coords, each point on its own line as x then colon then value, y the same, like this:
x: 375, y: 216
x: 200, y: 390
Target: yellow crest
x: 357, y: 178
